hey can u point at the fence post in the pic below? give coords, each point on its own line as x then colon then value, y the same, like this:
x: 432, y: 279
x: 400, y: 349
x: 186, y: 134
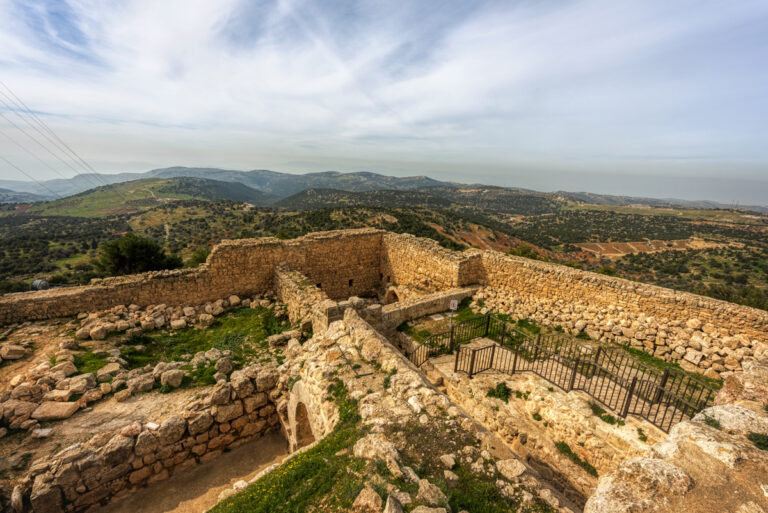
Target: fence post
x: 472, y: 364
x: 514, y: 361
x: 503, y: 331
x: 452, y: 328
x: 456, y: 362
x: 659, y: 393
x: 493, y: 353
x: 573, y: 374
x: 487, y: 325
x: 625, y: 410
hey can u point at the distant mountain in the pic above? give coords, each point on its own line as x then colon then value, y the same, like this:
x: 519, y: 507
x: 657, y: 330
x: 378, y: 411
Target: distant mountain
x: 9, y: 196
x: 215, y: 190
x: 606, y: 199
x: 271, y: 182
x: 284, y: 185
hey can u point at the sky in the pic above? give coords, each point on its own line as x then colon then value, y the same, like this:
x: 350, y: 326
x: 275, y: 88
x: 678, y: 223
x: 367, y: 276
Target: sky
x: 651, y: 98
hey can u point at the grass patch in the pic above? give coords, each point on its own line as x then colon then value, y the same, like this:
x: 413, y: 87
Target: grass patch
x: 89, y: 363
x: 243, y: 331
x: 565, y: 449
x: 658, y: 363
x: 324, y: 478
x: 536, y: 417
x: 529, y: 325
x: 760, y: 440
x: 606, y: 417
x: 502, y: 391
x: 388, y: 378
x: 417, y: 335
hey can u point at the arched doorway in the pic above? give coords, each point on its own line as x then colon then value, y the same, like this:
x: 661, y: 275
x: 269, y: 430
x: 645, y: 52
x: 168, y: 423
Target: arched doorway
x: 391, y: 297
x: 304, y: 434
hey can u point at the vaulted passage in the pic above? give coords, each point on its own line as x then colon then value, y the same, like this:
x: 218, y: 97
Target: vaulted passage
x: 304, y: 434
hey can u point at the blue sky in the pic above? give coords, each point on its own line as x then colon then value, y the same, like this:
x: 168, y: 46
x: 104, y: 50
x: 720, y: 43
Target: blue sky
x: 650, y: 98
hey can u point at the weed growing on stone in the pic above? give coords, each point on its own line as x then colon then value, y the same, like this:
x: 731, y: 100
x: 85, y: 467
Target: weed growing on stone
x: 502, y: 391
x: 658, y: 363
x: 606, y: 417
x: 711, y: 422
x: 536, y: 417
x: 387, y: 379
x: 641, y: 435
x: 522, y: 395
x: 565, y: 449
x: 760, y: 440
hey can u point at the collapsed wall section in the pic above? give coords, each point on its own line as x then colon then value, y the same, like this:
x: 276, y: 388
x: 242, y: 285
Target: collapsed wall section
x: 341, y: 263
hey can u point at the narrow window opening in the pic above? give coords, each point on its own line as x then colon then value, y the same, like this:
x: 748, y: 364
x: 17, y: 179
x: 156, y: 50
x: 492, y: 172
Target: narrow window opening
x: 350, y: 282
x: 319, y: 285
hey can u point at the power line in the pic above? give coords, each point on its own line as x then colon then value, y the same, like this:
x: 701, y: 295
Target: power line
x: 30, y: 113
x: 29, y: 176
x: 67, y: 151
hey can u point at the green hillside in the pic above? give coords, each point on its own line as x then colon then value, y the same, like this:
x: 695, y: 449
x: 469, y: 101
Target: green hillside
x: 140, y: 195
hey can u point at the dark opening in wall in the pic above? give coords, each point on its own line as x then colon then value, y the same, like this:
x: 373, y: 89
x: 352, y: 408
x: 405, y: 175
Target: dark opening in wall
x: 350, y: 282
x: 381, y: 276
x: 319, y: 285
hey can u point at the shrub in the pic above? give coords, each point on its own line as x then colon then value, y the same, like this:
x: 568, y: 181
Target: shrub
x: 711, y: 422
x: 501, y: 391
x: 134, y: 254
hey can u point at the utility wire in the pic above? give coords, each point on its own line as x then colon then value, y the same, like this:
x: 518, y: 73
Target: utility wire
x: 18, y: 102
x: 59, y: 142
x: 29, y: 176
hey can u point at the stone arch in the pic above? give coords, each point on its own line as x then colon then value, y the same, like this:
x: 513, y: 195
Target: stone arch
x: 391, y: 296
x: 303, y: 434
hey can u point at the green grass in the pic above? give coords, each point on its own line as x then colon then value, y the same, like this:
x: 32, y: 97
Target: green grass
x: 325, y: 477
x: 536, y: 417
x: 502, y: 391
x: 641, y: 435
x: 658, y: 363
x: 242, y: 331
x: 565, y: 449
x: 417, y: 335
x: 88, y: 362
x: 760, y: 440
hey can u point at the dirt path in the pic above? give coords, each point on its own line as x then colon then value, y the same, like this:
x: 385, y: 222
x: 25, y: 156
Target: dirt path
x: 197, y: 489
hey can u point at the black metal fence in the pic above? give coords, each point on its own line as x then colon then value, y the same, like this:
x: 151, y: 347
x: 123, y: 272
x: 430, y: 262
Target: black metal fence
x: 613, y: 377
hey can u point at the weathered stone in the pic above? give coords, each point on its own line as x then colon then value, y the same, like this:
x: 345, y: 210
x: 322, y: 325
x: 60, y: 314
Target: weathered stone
x: 178, y: 324
x: 98, y: 332
x: 200, y: 423
x: 172, y: 378
x: 511, y: 469
x: 430, y: 494
x: 448, y: 460
x: 67, y: 368
x: 367, y: 501
x: 227, y: 412
x: 224, y: 365
x: 108, y: 371
x: 117, y: 449
x: 393, y: 505
x: 146, y: 443
x: 12, y: 352
x: 54, y: 410
x: 221, y: 393
x: 46, y: 498
x: 171, y: 429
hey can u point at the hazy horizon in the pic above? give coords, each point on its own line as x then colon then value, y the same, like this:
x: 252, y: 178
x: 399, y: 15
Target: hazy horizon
x: 656, y: 99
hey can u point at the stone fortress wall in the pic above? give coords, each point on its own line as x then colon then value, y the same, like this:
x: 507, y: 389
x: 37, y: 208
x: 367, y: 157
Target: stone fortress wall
x: 701, y: 333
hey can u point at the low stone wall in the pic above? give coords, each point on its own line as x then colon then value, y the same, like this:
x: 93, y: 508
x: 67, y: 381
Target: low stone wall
x: 299, y: 295
x: 111, y: 465
x: 702, y: 334
x: 395, y: 314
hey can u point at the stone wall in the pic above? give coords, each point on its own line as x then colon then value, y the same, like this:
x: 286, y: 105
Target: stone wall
x: 111, y: 465
x: 395, y: 314
x: 300, y: 296
x: 341, y: 263
x: 425, y: 264
x: 702, y: 334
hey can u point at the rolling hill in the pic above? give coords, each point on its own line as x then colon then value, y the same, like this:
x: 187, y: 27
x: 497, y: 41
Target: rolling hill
x: 139, y: 195
x: 9, y: 196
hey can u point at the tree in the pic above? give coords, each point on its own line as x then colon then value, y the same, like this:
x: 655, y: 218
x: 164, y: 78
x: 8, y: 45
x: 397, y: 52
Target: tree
x: 134, y: 254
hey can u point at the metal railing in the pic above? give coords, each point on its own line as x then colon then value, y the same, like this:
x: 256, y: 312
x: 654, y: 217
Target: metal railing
x: 610, y: 375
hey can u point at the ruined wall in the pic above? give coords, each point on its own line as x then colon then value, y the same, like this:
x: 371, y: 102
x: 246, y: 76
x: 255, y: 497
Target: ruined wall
x: 300, y: 296
x: 113, y: 464
x: 424, y: 264
x: 343, y: 263
x: 699, y: 332
x: 395, y: 314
